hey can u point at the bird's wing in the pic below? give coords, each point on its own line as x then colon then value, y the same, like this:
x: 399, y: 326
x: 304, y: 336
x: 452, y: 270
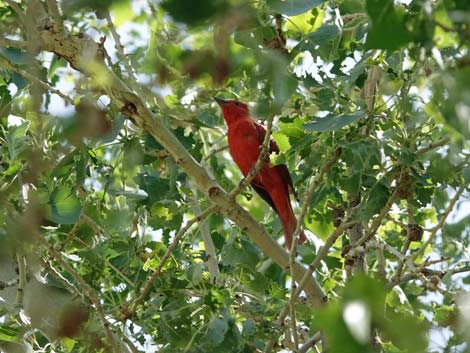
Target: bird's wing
x: 282, y: 168
x: 259, y: 188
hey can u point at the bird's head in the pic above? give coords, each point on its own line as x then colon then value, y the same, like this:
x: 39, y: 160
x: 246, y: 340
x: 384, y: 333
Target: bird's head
x: 232, y: 109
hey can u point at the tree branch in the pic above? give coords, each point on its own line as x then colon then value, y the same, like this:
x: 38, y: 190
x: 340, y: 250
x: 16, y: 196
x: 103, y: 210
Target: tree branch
x: 430, y: 272
x: 20, y: 260
x: 407, y: 243
x: 7, y: 65
x: 378, y: 220
x: 84, y: 54
x: 312, y: 341
x: 55, y: 13
x: 434, y: 145
x: 370, y: 87
x: 124, y: 58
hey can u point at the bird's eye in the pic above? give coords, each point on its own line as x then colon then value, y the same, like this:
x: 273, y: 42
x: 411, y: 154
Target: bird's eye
x: 237, y: 104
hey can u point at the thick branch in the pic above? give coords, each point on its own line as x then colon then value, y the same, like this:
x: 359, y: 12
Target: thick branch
x: 55, y: 13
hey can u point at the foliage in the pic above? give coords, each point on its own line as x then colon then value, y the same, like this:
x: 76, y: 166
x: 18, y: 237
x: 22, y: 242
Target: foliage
x: 110, y: 243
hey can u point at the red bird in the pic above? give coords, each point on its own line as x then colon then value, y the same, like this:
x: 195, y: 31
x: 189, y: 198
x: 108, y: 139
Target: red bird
x: 273, y: 184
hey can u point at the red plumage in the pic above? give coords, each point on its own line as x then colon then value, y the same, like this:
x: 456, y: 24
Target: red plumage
x: 273, y: 184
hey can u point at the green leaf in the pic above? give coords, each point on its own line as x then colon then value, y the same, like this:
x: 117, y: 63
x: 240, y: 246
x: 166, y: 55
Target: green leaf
x: 466, y: 175
x: 16, y: 56
x: 9, y: 334
x: 281, y: 140
x: 246, y: 255
x: 445, y: 315
x: 155, y: 187
x: 293, y: 7
x: 187, y: 11
x: 352, y: 183
x: 275, y: 71
x: 5, y: 96
x: 254, y: 37
x: 17, y: 139
x: 319, y: 225
x: 376, y: 200
x: 322, y: 42
x: 70, y: 6
x: 333, y: 122
x: 65, y: 206
x: 450, y: 92
x: 217, y: 330
x: 387, y: 28
x: 132, y: 194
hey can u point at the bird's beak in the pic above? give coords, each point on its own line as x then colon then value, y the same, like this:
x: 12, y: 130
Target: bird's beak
x: 220, y: 101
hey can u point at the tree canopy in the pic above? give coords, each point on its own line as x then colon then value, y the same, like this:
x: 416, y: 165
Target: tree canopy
x: 127, y: 227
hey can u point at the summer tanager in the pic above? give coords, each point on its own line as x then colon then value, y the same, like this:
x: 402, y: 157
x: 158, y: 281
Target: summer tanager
x: 273, y: 184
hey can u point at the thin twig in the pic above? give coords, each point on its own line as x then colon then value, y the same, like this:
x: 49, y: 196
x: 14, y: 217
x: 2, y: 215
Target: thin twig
x: 434, y: 262
x: 215, y: 151
x: 211, y: 256
x: 430, y: 272
x: 378, y: 220
x: 406, y: 245
x: 132, y: 307
x: 395, y: 252
x: 434, y: 145
x: 293, y: 319
x: 6, y: 64
x: 262, y: 158
x: 409, y: 263
x: 70, y: 235
x: 124, y: 58
x: 87, y: 289
x: 130, y: 344
x: 440, y: 224
x: 311, y: 190
x: 66, y: 283
x: 444, y: 27
x: 381, y: 272
x: 312, y: 341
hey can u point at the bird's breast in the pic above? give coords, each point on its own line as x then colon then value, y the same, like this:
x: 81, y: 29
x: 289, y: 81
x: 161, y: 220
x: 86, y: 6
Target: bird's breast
x: 244, y: 145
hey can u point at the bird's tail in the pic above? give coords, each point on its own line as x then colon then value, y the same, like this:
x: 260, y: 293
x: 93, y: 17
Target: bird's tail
x: 289, y: 223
